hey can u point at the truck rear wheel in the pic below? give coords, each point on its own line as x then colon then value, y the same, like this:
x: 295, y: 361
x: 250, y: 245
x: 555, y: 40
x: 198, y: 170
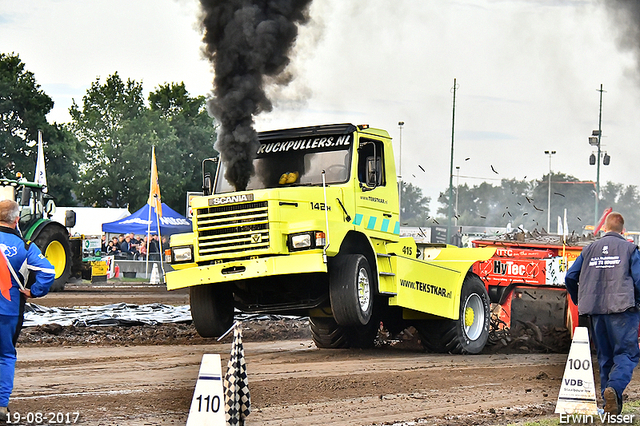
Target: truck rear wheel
x: 469, y: 333
x: 328, y: 334
x: 211, y: 309
x: 53, y: 242
x: 351, y: 290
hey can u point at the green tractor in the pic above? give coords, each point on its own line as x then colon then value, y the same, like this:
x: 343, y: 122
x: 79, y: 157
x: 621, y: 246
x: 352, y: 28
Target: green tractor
x: 36, y: 209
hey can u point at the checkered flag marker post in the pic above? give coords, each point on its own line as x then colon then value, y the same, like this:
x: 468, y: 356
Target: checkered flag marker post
x: 236, y: 384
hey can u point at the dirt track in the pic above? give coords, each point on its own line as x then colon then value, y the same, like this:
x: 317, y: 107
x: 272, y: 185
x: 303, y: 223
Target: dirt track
x: 291, y: 381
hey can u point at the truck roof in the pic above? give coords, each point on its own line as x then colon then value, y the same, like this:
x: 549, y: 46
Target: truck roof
x: 325, y: 129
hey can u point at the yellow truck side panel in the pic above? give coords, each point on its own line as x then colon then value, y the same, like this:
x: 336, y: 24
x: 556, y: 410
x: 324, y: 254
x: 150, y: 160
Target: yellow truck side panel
x: 252, y: 268
x: 434, y: 286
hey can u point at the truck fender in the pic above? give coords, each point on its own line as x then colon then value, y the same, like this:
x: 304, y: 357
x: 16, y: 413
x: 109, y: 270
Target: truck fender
x: 359, y: 243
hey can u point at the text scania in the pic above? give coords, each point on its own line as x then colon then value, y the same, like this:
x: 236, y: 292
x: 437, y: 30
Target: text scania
x: 299, y: 144
x: 231, y: 199
x: 426, y: 288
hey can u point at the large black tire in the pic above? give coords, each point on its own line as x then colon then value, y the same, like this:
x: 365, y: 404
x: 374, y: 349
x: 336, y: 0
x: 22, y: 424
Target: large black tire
x: 328, y: 334
x: 432, y: 333
x: 211, y: 309
x: 53, y: 242
x: 469, y: 333
x: 351, y: 290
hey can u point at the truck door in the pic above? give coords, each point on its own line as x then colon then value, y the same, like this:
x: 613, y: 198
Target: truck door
x: 376, y: 195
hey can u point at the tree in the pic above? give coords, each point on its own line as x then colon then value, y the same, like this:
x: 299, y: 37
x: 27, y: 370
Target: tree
x: 23, y: 110
x: 414, y: 210
x: 525, y: 203
x: 118, y: 131
x: 623, y: 199
x: 195, y: 131
x: 63, y: 155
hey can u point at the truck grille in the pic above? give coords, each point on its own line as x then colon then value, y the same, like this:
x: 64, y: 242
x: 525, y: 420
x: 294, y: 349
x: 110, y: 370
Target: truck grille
x: 232, y: 228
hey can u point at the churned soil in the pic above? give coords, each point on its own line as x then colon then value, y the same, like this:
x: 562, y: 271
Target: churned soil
x: 145, y: 375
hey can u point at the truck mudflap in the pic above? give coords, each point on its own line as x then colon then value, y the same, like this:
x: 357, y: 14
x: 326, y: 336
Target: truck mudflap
x: 246, y: 269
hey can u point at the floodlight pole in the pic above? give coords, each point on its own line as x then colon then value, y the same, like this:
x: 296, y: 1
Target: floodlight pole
x: 549, y: 153
x: 457, y: 193
x: 453, y: 122
x: 400, y: 124
x: 595, y: 216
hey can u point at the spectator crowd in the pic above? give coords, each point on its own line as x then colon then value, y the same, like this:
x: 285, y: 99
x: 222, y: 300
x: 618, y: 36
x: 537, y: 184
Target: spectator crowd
x: 134, y: 247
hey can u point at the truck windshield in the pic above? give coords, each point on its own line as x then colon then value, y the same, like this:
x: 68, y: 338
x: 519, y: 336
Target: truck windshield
x: 281, y: 168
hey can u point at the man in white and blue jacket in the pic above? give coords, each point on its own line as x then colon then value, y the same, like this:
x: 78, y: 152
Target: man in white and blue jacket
x: 18, y: 259
x: 604, y: 282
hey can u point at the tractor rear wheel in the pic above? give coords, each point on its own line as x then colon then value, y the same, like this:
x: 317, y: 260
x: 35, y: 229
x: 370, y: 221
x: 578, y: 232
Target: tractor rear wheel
x: 211, y: 309
x: 469, y: 333
x: 53, y: 242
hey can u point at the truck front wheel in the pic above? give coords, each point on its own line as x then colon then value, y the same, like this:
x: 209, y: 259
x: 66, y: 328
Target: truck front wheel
x: 211, y: 309
x: 351, y: 290
x: 469, y: 333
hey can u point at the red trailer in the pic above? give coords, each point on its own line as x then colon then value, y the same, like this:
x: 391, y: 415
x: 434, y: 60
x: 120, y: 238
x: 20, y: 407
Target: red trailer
x: 525, y: 279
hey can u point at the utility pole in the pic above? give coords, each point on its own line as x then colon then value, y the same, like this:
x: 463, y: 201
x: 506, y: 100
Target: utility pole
x: 453, y: 125
x: 595, y: 219
x: 549, y: 153
x: 457, y: 215
x: 400, y: 124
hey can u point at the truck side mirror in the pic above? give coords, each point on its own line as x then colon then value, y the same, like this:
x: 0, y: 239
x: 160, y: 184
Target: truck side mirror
x: 70, y: 218
x: 207, y: 176
x: 372, y: 172
x: 207, y: 184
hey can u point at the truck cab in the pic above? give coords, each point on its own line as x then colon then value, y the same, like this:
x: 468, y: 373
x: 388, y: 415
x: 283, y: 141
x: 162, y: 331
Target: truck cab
x: 315, y: 233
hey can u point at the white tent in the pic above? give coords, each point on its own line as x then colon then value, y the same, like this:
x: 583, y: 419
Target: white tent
x: 89, y: 220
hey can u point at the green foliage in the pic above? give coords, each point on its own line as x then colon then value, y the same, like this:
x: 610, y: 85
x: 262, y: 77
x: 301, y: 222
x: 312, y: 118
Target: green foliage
x: 194, y: 129
x: 525, y: 203
x: 415, y: 208
x: 119, y: 131
x: 623, y: 199
x: 23, y: 110
x: 111, y: 126
x: 63, y: 155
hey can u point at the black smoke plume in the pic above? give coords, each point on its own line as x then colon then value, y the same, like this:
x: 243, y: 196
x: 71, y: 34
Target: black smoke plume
x: 626, y: 17
x: 248, y: 42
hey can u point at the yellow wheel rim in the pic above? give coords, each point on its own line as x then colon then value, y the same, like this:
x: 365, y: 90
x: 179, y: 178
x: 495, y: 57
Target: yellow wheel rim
x: 468, y: 316
x: 56, y: 255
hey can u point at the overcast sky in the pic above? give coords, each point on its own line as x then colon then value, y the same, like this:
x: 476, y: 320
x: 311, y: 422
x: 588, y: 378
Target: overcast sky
x: 528, y: 72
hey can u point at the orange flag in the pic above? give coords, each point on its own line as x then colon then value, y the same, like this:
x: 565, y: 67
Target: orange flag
x: 5, y: 278
x: 154, y: 190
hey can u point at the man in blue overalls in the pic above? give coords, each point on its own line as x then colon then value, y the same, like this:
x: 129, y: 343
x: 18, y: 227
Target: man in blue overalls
x: 608, y: 273
x: 17, y: 260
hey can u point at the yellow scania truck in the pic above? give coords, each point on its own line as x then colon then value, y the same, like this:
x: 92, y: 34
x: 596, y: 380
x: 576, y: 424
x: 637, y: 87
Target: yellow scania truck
x: 316, y: 233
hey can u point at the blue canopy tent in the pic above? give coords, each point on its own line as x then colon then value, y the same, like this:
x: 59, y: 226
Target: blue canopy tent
x: 141, y: 221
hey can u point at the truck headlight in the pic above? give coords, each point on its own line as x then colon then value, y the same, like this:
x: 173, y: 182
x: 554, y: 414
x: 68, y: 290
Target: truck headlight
x: 182, y: 254
x: 300, y: 241
x: 306, y: 240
